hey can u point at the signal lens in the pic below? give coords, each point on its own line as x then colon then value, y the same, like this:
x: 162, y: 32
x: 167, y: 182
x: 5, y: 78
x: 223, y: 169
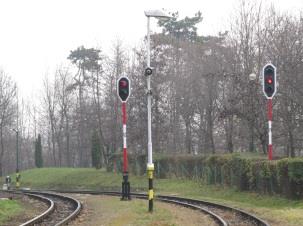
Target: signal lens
x: 269, y: 90
x: 123, y: 84
x: 269, y: 80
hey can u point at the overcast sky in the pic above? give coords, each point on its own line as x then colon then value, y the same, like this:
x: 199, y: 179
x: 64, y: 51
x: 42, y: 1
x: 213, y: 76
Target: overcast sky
x: 37, y: 35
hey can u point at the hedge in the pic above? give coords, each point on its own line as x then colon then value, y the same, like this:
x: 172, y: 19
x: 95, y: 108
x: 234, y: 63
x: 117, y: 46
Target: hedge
x: 284, y: 176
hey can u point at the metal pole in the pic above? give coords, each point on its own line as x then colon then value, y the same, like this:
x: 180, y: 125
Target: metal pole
x: 150, y: 165
x: 150, y: 149
x: 18, y: 176
x: 148, y: 42
x: 17, y: 151
x: 251, y: 122
x: 125, y: 182
x: 17, y: 160
x: 269, y: 105
x: 125, y: 163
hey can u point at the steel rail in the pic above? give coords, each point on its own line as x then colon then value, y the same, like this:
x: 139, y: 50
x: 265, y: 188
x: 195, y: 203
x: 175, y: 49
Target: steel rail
x: 64, y: 221
x: 43, y: 215
x: 245, y: 214
x: 214, y: 216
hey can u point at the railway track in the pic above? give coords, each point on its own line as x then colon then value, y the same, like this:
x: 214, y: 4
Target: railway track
x: 223, y: 215
x: 61, y: 209
x: 232, y: 216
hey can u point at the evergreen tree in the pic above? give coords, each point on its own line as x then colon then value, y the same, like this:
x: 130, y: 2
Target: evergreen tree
x: 183, y: 29
x: 96, y: 151
x: 38, y: 152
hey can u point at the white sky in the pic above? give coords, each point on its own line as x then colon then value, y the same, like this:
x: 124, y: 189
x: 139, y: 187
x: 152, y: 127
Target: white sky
x: 37, y: 35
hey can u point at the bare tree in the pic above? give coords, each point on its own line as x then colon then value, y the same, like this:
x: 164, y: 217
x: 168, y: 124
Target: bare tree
x: 50, y: 102
x: 7, y: 110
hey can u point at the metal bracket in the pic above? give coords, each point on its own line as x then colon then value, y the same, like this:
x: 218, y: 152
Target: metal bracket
x: 149, y: 92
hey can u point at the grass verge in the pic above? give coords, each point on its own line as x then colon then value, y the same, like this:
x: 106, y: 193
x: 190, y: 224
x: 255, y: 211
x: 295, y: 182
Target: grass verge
x: 8, y: 209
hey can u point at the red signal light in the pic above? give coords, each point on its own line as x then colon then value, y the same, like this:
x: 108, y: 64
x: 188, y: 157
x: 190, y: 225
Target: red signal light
x: 269, y: 80
x: 123, y: 84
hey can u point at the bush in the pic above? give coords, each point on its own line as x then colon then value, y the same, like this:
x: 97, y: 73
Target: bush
x: 283, y: 176
x: 263, y: 177
x: 295, y: 175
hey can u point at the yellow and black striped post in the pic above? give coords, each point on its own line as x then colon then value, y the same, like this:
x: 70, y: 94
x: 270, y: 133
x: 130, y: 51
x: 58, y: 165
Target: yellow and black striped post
x: 18, y: 176
x: 150, y: 172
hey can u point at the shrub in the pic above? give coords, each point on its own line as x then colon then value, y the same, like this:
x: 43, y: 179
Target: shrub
x: 283, y: 176
x: 295, y: 175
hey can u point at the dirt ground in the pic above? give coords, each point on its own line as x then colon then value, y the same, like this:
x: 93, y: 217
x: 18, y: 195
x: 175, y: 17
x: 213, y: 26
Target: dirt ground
x: 110, y: 211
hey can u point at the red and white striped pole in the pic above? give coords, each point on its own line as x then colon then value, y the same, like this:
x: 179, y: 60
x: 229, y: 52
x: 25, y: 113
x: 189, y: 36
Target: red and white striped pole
x: 123, y: 89
x: 125, y: 182
x: 269, y: 108
x: 125, y: 162
x: 269, y: 88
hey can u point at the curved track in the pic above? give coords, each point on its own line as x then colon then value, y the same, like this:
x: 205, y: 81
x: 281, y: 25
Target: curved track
x: 62, y: 209
x: 37, y: 219
x: 232, y: 216
x: 222, y: 214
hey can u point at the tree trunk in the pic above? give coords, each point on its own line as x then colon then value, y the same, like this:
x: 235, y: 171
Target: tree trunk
x: 114, y: 116
x: 291, y: 144
x: 174, y: 126
x: 201, y: 131
x: 209, y: 133
x: 157, y: 126
x: 1, y: 151
x: 68, y: 155
x: 80, y: 124
x: 263, y: 143
x: 102, y: 140
x: 209, y: 115
x: 59, y: 149
x: 229, y: 134
x: 251, y: 147
x: 53, y: 144
x: 188, y: 143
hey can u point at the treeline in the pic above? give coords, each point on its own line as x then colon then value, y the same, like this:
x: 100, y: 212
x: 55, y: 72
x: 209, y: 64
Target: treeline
x: 203, y: 100
x: 15, y: 128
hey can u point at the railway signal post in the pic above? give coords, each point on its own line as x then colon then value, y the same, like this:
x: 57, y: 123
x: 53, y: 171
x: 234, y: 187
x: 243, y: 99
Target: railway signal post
x: 18, y: 176
x: 148, y: 73
x: 269, y: 89
x: 123, y: 89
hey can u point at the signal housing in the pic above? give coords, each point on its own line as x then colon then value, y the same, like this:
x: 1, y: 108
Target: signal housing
x: 269, y: 80
x: 123, y: 88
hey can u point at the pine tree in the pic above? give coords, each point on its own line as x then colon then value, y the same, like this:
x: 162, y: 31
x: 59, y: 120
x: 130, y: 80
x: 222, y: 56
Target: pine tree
x: 38, y: 152
x: 96, y: 151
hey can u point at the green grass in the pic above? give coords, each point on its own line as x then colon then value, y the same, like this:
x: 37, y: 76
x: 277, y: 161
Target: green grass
x: 116, y: 213
x: 73, y: 178
x: 119, y: 213
x: 8, y: 209
x: 136, y: 213
x: 275, y: 209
